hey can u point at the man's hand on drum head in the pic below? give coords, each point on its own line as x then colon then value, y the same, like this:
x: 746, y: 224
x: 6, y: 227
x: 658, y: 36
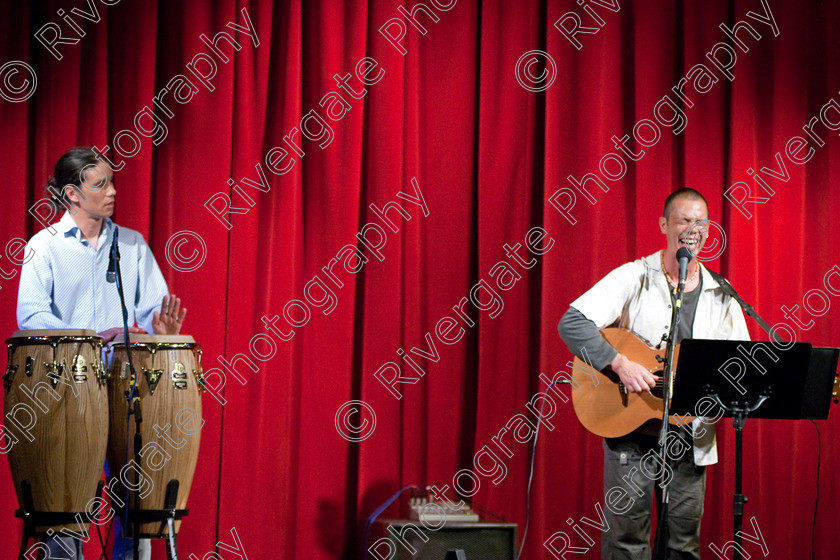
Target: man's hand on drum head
x: 112, y: 333
x: 171, y: 316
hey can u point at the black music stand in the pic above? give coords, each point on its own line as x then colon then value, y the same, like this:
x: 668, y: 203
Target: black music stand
x: 747, y: 378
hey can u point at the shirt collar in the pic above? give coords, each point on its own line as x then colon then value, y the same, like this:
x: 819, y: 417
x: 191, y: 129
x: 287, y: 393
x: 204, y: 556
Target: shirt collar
x: 69, y: 228
x: 654, y: 262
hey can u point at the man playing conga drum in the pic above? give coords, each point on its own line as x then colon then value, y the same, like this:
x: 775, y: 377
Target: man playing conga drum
x: 64, y: 286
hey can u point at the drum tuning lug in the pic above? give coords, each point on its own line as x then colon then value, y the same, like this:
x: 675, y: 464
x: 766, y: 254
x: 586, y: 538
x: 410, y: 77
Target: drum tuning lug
x: 199, y: 375
x: 11, y: 370
x: 28, y: 367
x: 199, y: 380
x: 99, y: 372
x: 54, y: 372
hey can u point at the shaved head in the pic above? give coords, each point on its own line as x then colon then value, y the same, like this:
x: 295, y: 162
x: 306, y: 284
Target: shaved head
x: 687, y: 193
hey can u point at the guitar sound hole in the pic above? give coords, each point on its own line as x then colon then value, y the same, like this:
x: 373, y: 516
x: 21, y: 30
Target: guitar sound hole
x: 658, y: 390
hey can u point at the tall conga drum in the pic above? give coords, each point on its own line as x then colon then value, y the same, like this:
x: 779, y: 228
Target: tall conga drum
x: 169, y: 385
x: 56, y: 421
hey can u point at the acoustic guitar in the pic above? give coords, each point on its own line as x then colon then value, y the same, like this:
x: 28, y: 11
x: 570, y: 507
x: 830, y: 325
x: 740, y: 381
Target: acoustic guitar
x: 602, y: 403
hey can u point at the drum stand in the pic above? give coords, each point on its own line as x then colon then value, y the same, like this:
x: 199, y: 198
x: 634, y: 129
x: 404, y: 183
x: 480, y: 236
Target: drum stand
x: 32, y: 519
x: 168, y: 514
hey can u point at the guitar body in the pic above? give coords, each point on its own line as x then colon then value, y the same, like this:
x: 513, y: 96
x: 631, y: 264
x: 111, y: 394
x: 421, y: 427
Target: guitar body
x: 602, y: 404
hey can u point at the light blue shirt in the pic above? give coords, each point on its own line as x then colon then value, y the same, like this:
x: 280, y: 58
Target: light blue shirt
x: 63, y: 284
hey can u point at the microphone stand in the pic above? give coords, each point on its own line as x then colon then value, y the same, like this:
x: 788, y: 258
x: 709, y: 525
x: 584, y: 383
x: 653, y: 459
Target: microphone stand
x: 133, y: 400
x: 748, y: 309
x: 660, y: 548
x: 740, y: 411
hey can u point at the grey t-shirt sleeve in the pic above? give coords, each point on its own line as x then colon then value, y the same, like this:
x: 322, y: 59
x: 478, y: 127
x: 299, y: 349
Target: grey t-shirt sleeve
x: 578, y: 333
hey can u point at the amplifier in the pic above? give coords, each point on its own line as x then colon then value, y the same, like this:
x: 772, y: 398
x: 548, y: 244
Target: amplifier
x: 401, y: 539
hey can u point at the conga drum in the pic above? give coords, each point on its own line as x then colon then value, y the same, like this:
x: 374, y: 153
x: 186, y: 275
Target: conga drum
x: 169, y: 386
x: 56, y: 420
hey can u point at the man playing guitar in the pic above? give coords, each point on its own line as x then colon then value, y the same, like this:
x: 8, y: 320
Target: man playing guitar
x: 638, y: 296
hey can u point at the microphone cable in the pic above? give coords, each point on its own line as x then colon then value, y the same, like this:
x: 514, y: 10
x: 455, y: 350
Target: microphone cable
x: 560, y: 381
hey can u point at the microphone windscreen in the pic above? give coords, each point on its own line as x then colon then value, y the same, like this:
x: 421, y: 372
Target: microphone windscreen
x: 684, y: 253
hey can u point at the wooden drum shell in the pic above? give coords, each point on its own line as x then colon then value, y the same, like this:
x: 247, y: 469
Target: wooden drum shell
x: 63, y: 463
x: 166, y: 405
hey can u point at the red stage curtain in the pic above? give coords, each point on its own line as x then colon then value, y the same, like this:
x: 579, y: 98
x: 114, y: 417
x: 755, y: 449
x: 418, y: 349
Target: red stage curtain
x: 477, y: 158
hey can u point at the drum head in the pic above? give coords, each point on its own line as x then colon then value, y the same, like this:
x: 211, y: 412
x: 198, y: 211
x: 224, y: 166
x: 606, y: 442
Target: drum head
x: 161, y: 339
x: 21, y: 336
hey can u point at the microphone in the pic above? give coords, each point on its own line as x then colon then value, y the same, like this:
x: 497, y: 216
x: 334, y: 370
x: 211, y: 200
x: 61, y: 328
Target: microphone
x: 111, y: 275
x: 684, y: 255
